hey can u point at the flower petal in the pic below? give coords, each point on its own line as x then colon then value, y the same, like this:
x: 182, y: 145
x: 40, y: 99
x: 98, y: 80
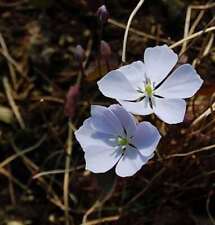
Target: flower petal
x: 146, y: 138
x: 184, y: 82
x: 86, y: 136
x: 101, y: 159
x: 127, y: 120
x: 171, y: 111
x: 116, y: 85
x: 135, y: 73
x: 130, y: 163
x: 138, y: 108
x: 159, y: 62
x: 105, y: 121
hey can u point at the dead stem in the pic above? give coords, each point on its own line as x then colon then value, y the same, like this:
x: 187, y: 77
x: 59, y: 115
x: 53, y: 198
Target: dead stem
x: 138, y: 195
x: 23, y: 152
x: 190, y: 31
x: 206, y: 148
x: 137, y: 32
x: 103, y: 220
x: 32, y: 167
x: 208, y: 209
x: 197, y: 34
x: 98, y: 204
x: 205, y: 114
x: 11, y: 69
x: 66, y: 175
x: 12, y: 103
x: 51, y: 172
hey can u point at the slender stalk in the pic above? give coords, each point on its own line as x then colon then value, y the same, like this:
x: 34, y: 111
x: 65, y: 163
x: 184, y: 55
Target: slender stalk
x: 127, y: 29
x: 178, y: 43
x: 208, y: 210
x: 207, y: 148
x: 21, y: 153
x: 8, y: 91
x: 66, y: 176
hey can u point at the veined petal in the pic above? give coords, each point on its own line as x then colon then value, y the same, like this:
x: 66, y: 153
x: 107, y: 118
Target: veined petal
x: 159, y: 62
x: 101, y: 159
x: 116, y: 85
x: 138, y: 108
x: 130, y: 162
x: 87, y: 136
x: 127, y: 120
x: 184, y: 82
x: 105, y: 121
x: 135, y: 73
x: 171, y: 111
x: 146, y: 138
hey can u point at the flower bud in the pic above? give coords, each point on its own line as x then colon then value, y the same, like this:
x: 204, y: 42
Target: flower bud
x: 102, y: 14
x: 71, y: 101
x: 105, y: 50
x: 79, y: 53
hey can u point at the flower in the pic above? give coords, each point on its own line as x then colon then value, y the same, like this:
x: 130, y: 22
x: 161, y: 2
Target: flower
x: 112, y: 136
x: 105, y: 50
x: 145, y: 88
x: 103, y: 14
x: 71, y: 101
x: 79, y: 53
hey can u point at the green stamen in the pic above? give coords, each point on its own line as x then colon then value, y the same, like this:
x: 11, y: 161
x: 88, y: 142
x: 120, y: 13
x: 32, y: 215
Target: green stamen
x: 122, y: 141
x: 149, y: 89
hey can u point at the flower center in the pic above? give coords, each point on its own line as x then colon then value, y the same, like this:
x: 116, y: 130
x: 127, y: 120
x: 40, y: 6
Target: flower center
x: 122, y: 141
x: 149, y: 89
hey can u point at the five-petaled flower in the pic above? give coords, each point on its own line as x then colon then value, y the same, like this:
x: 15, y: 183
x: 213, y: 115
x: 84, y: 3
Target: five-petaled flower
x: 112, y: 136
x: 145, y: 88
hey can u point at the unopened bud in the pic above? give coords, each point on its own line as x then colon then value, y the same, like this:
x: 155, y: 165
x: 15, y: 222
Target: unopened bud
x: 79, y: 53
x: 103, y: 14
x: 105, y: 50
x: 71, y: 101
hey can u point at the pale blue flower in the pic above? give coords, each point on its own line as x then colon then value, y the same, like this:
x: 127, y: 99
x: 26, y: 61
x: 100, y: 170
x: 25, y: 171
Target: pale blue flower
x: 145, y: 88
x: 112, y: 136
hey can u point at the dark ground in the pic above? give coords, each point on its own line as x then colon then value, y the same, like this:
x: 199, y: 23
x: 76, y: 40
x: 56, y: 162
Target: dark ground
x: 38, y: 40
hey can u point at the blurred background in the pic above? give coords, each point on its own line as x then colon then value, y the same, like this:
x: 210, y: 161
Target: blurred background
x: 51, y: 55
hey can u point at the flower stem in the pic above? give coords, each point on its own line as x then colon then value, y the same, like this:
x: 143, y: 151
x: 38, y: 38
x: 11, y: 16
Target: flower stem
x: 127, y: 29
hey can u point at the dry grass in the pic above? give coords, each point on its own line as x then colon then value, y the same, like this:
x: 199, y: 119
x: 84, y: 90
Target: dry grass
x: 42, y: 166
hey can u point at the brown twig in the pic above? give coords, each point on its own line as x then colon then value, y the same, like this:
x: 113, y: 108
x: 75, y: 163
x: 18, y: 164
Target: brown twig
x: 197, y: 34
x: 138, y: 195
x: 205, y: 114
x: 10, y: 65
x: 206, y: 148
x: 12, y: 103
x: 98, y: 204
x: 138, y: 32
x: 208, y: 209
x: 188, y: 31
x: 103, y: 220
x: 19, y: 154
x: 67, y: 175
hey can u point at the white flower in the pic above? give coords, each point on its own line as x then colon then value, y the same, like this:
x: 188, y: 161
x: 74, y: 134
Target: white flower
x: 111, y: 136
x: 145, y: 88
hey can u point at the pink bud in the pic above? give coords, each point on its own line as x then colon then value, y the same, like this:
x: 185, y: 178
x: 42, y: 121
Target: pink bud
x: 105, y: 50
x: 102, y: 14
x: 79, y: 53
x: 71, y: 101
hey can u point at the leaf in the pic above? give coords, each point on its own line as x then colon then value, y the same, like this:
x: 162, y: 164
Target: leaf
x: 6, y: 115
